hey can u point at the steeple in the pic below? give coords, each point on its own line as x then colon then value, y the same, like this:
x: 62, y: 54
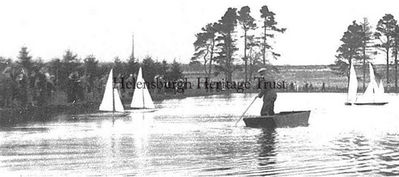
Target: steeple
x: 132, y: 56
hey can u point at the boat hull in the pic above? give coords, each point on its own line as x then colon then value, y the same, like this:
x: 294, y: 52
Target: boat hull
x: 107, y: 114
x: 372, y: 104
x: 282, y: 119
x: 145, y: 110
x: 348, y: 104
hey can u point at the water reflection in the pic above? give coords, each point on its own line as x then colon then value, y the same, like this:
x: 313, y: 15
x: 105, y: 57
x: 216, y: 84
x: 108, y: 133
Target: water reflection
x: 267, y: 153
x: 367, y: 155
x: 356, y: 148
x: 197, y: 137
x: 389, y: 157
x: 267, y: 147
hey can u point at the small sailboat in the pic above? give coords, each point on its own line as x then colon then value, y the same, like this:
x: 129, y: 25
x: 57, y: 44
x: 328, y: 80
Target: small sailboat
x: 374, y: 94
x: 352, y: 88
x: 111, y: 101
x: 141, y: 96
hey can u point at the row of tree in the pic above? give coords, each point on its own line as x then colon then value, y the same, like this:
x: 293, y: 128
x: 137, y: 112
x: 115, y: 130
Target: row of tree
x: 28, y: 81
x: 215, y: 45
x: 361, y: 44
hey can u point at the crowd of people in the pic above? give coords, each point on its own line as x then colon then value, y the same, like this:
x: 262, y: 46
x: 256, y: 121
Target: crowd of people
x: 39, y: 88
x: 307, y: 87
x: 18, y: 88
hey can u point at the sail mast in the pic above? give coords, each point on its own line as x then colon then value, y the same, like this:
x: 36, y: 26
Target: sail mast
x: 352, y: 88
x: 111, y: 100
x: 113, y: 95
x: 132, y: 46
x: 141, y: 96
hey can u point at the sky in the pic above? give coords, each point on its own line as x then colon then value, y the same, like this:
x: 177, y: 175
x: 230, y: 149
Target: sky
x: 165, y: 29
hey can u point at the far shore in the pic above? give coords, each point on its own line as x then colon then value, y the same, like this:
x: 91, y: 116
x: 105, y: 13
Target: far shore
x: 15, y: 116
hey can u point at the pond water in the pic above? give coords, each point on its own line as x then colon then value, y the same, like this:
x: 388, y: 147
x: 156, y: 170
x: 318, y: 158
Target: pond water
x: 197, y: 137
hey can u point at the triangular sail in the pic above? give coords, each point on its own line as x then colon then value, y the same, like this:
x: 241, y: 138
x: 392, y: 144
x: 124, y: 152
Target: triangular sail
x: 374, y: 92
x: 352, y: 89
x: 380, y: 96
x: 141, y: 96
x: 107, y: 101
x: 380, y: 88
x: 372, y: 87
x: 148, y: 103
x: 118, y: 102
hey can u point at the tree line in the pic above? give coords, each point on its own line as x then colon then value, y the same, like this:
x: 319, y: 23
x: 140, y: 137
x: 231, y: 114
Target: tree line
x: 360, y: 43
x: 26, y: 81
x: 215, y: 46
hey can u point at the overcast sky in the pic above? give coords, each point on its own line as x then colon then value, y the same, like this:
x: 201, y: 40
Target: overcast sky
x: 165, y: 29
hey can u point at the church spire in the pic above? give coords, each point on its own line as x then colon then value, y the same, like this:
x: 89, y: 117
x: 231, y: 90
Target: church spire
x: 132, y: 56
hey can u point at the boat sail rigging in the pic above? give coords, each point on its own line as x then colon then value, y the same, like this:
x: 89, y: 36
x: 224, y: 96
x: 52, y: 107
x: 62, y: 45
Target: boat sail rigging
x: 374, y: 92
x: 111, y: 100
x: 352, y: 88
x: 141, y: 96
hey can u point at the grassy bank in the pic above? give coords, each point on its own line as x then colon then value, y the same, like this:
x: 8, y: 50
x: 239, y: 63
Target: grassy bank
x: 14, y: 116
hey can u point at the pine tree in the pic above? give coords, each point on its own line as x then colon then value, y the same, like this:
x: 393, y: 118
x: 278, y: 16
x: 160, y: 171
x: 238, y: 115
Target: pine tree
x: 226, y: 42
x: 269, y: 27
x: 247, y: 23
x: 204, y: 46
x: 349, y: 50
x: 385, y: 33
x: 25, y: 61
x: 175, y: 72
x: 366, y: 50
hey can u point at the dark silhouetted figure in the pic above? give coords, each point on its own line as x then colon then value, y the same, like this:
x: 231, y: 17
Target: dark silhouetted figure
x: 268, y: 94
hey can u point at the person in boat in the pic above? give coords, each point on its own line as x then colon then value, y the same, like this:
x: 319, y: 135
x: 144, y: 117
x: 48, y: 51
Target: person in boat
x: 268, y: 94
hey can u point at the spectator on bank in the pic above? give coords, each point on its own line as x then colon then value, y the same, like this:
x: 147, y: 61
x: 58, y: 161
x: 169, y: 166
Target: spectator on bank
x: 306, y: 87
x: 43, y: 88
x: 292, y: 87
x: 8, y: 87
x: 74, y: 90
x: 160, y: 84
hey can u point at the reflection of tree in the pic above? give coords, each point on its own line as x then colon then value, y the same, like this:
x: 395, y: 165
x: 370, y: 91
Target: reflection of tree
x: 267, y: 151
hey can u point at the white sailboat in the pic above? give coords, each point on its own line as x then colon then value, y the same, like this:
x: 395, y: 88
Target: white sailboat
x: 111, y: 100
x: 374, y: 94
x: 352, y: 88
x: 141, y: 96
x: 380, y: 90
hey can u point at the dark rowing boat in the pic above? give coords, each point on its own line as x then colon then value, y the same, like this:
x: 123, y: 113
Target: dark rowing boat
x: 372, y: 103
x: 366, y: 103
x: 282, y: 119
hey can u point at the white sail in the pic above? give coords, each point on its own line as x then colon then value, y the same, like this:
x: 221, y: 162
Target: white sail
x: 374, y: 91
x: 380, y: 96
x: 372, y: 87
x: 118, y: 102
x: 107, y: 104
x: 141, y: 96
x: 380, y: 90
x: 352, y: 89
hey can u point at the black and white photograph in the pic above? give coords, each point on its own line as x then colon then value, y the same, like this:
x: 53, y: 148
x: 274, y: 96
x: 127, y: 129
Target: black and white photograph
x: 199, y: 88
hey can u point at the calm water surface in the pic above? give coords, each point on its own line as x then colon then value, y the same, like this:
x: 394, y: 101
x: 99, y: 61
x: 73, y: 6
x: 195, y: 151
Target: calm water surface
x: 197, y: 137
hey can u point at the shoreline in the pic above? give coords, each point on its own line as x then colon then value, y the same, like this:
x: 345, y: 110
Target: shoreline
x: 14, y: 116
